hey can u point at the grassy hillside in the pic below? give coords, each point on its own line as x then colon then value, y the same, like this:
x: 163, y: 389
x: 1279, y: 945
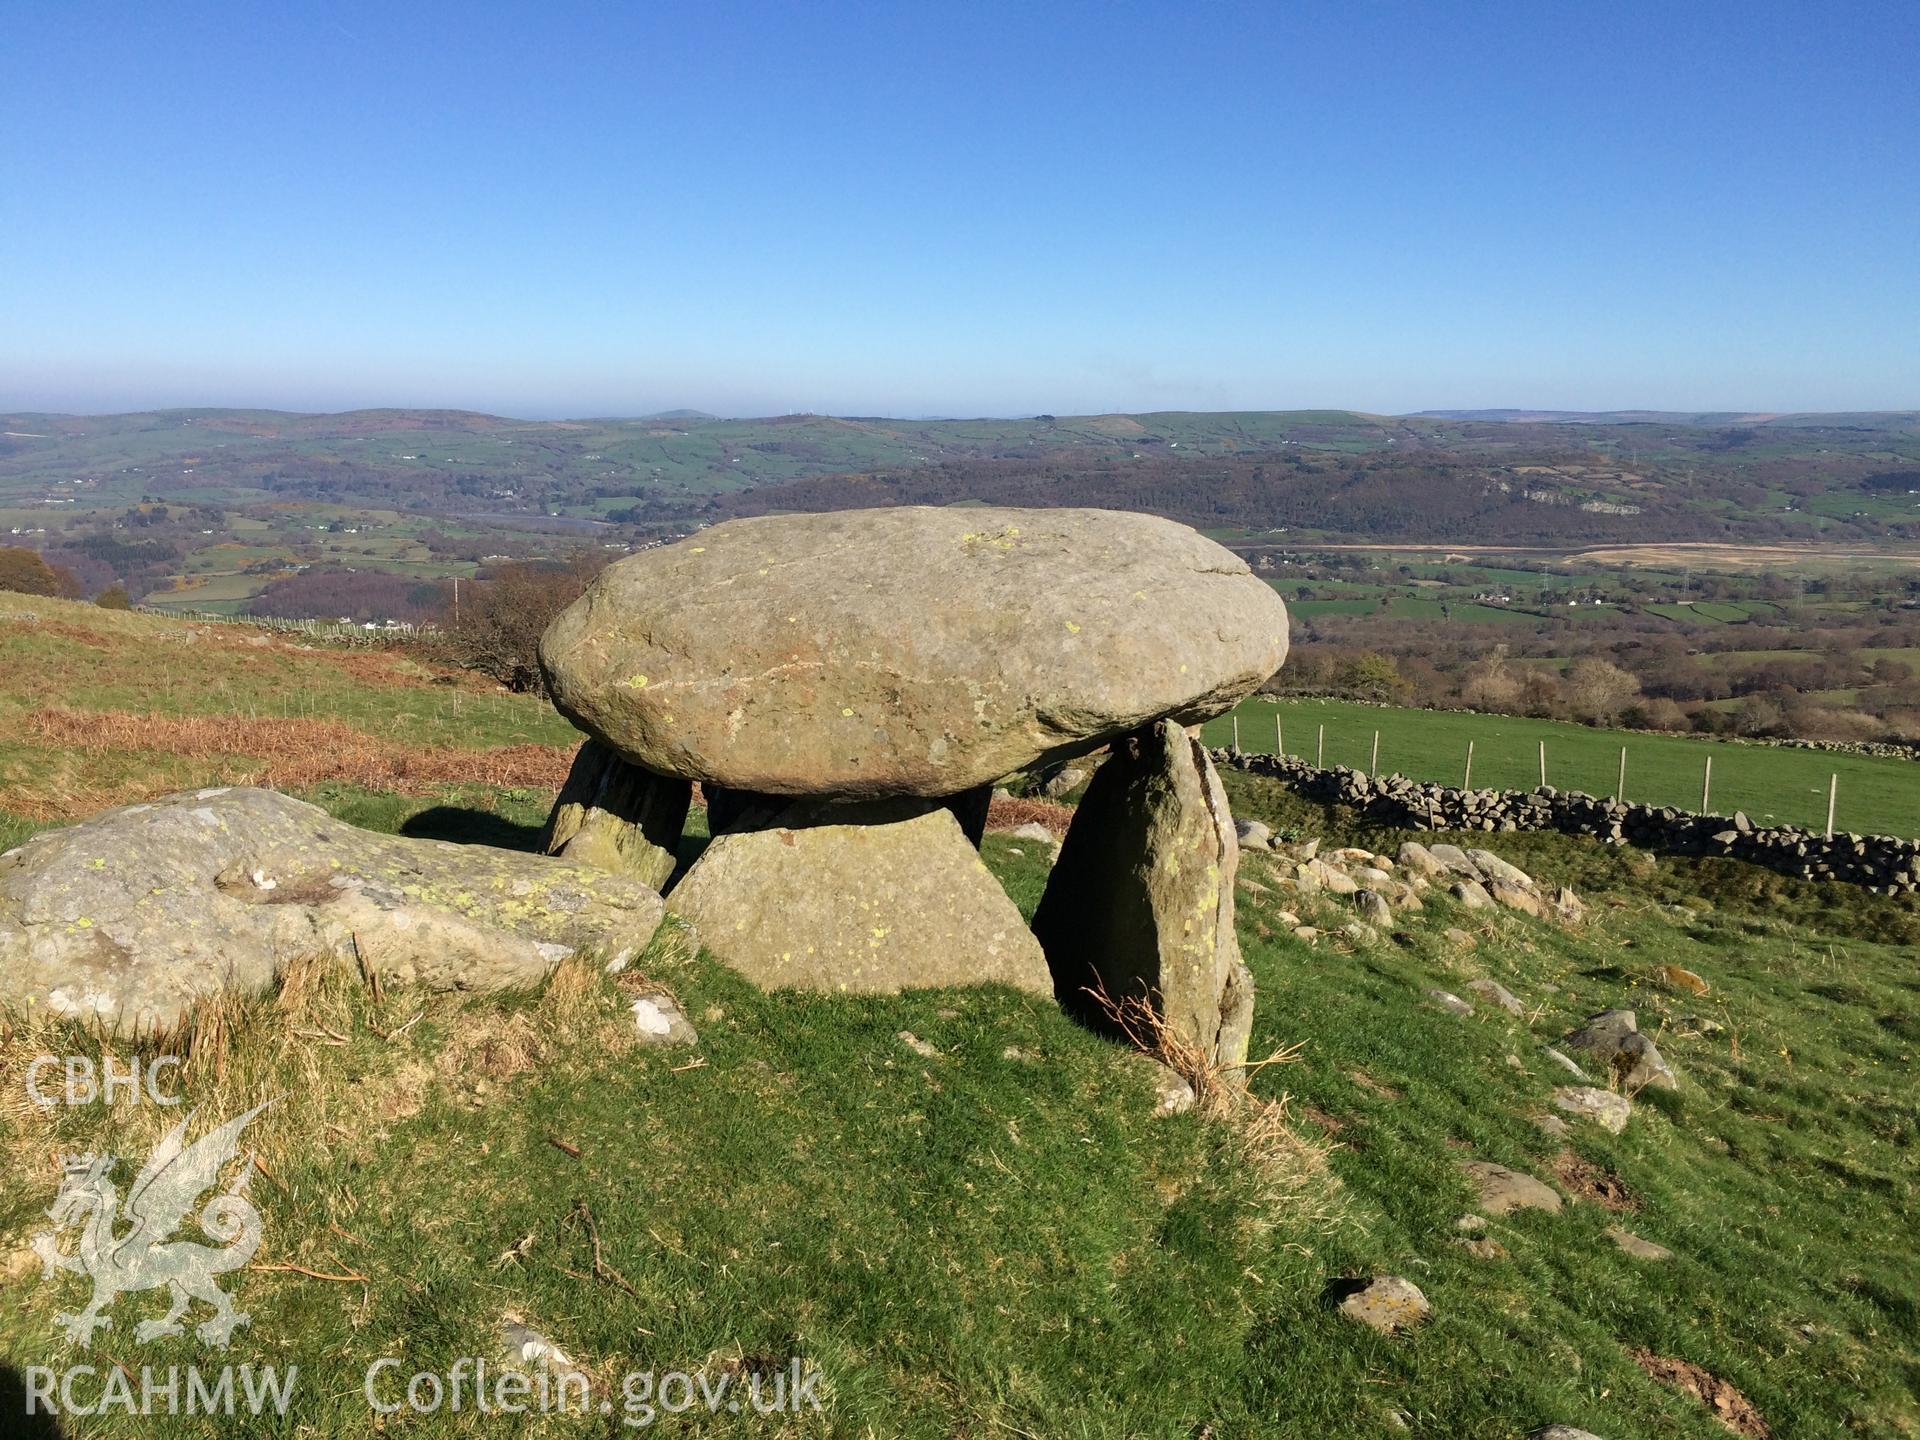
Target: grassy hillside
x: 1773, y: 785
x: 986, y: 1231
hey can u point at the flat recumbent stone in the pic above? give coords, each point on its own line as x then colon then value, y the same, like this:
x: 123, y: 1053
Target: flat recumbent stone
x: 907, y: 651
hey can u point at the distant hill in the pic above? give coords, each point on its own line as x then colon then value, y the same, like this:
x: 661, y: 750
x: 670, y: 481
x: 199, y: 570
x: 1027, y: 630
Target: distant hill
x: 1836, y: 420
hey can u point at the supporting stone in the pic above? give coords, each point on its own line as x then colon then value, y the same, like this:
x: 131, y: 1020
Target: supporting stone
x: 874, y: 896
x: 619, y: 817
x: 1140, y: 902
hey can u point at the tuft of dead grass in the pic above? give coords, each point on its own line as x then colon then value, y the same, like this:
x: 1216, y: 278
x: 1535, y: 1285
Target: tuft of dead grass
x: 278, y: 751
x: 1009, y: 813
x: 1288, y: 1173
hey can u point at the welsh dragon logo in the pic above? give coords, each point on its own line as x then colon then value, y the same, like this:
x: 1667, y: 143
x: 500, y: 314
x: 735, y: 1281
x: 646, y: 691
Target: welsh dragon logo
x: 144, y: 1257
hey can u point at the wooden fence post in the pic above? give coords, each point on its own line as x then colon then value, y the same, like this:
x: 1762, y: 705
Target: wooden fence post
x: 1320, y: 750
x: 1236, y: 733
x: 1373, y: 766
x: 1543, y: 764
x: 1279, y: 736
x: 1833, y: 795
x: 1706, y: 786
x: 1466, y: 782
x: 1620, y: 787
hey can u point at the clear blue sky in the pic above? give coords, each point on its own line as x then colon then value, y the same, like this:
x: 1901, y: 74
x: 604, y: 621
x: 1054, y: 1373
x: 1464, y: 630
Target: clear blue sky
x: 550, y: 209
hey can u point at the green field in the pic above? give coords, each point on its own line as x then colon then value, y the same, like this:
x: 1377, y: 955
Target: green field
x: 1772, y: 785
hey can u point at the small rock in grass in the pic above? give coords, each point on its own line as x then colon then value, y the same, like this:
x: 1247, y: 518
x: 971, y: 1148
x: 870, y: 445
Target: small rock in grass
x: 1360, y: 933
x: 1494, y: 993
x: 1561, y: 1432
x: 1471, y: 894
x: 1483, y: 1248
x: 1254, y: 835
x: 660, y: 1021
x: 1606, y: 1108
x: 1172, y: 1094
x: 1470, y: 1224
x: 1553, y: 1125
x: 1449, y: 1002
x: 1033, y: 830
x: 1306, y: 933
x: 1373, y: 908
x: 1565, y: 1062
x: 919, y: 1047
x: 1633, y: 1245
x: 1458, y: 938
x: 1503, y: 1191
x: 1387, y: 1304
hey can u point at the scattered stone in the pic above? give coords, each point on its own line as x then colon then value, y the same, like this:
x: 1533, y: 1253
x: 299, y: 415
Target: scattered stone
x: 1360, y: 933
x: 1454, y: 859
x: 1561, y: 1432
x: 1172, y: 1093
x: 1635, y: 1246
x: 1253, y: 835
x: 1553, y: 1125
x: 1470, y: 1224
x: 1458, y: 938
x: 1329, y: 879
x: 1565, y: 1062
x: 919, y: 1047
x: 126, y: 919
x: 1033, y: 830
x: 1471, y: 894
x: 1373, y: 909
x: 1502, y: 1191
x: 1569, y: 907
x: 660, y: 1021
x: 1606, y: 1108
x: 1306, y: 933
x: 1064, y: 781
x: 1635, y: 1061
x: 1417, y: 858
x: 1494, y: 993
x: 1495, y: 870
x: 1140, y: 902
x: 1523, y: 898
x: 1483, y: 1248
x: 830, y: 900
x: 1449, y: 1002
x: 863, y: 653
x: 1700, y: 1024
x: 1388, y: 1304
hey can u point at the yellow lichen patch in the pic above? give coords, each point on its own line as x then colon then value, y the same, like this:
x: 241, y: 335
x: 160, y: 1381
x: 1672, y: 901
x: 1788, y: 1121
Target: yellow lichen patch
x: 636, y: 682
x: 1072, y: 629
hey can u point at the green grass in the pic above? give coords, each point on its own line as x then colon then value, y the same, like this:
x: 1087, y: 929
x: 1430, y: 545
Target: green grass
x: 986, y: 1244
x: 1772, y: 785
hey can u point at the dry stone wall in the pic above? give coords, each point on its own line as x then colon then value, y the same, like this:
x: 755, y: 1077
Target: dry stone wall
x: 1885, y: 864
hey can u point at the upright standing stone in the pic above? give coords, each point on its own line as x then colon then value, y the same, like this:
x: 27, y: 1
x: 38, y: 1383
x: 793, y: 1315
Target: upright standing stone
x: 1140, y: 902
x: 619, y: 817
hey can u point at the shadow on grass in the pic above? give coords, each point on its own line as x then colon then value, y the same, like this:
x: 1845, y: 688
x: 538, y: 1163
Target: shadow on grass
x: 464, y: 826
x: 14, y: 1419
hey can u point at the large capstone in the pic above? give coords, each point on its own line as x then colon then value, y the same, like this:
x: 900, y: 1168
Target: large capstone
x: 129, y: 918
x: 876, y: 896
x: 909, y: 651
x: 1140, y: 902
